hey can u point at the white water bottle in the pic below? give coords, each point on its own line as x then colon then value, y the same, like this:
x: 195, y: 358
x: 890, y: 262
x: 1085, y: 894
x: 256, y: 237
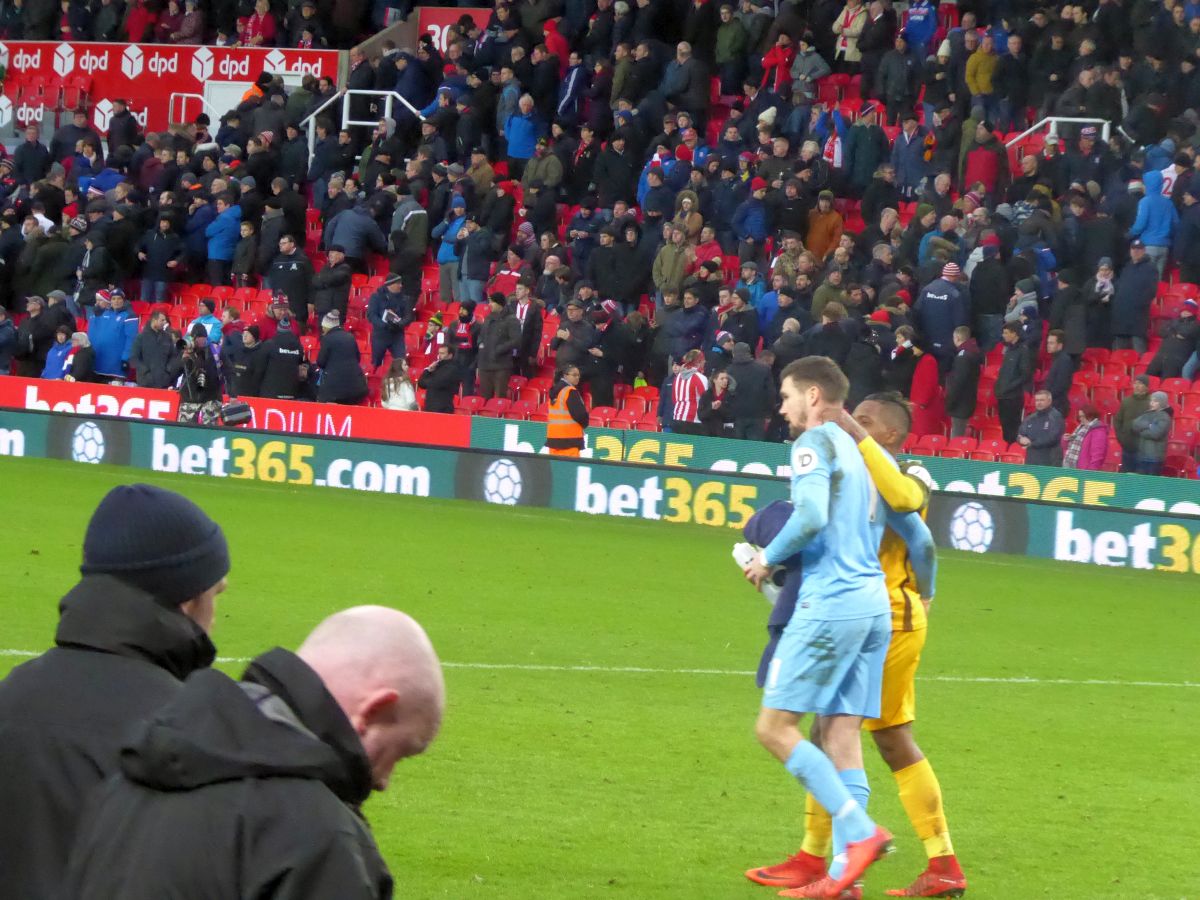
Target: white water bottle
x: 743, y: 555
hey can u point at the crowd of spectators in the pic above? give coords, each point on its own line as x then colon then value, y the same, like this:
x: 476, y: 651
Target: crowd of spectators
x: 309, y: 24
x: 659, y: 192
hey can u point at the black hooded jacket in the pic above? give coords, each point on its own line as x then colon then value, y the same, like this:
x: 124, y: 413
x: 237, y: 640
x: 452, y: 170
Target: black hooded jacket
x: 247, y: 789
x: 120, y: 656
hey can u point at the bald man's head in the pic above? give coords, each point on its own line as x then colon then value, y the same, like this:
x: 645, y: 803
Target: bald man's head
x: 382, y: 670
x: 886, y: 418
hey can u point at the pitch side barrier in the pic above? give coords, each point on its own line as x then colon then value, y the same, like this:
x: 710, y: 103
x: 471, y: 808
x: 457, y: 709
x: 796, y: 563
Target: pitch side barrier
x: 653, y: 491
x: 1102, y: 490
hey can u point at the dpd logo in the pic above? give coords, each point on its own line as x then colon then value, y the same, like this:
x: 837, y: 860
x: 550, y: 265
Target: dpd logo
x: 6, y: 111
x: 64, y: 59
x: 160, y: 65
x: 4, y: 57
x: 202, y: 64
x: 230, y: 67
x: 132, y: 61
x: 103, y: 115
x: 275, y: 62
x: 27, y: 114
x: 24, y: 62
x: 94, y: 62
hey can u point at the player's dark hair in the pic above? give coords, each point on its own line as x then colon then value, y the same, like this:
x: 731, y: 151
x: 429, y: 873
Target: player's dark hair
x: 895, y: 400
x: 821, y: 371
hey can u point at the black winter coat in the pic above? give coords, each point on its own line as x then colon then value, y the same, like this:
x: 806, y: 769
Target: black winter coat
x: 331, y: 289
x: 440, y: 382
x: 281, y: 368
x: 120, y: 656
x: 155, y: 358
x: 962, y: 382
x: 1068, y: 311
x: 1016, y: 371
x: 498, y: 338
x: 270, y: 770
x: 342, y: 379
x: 755, y: 394
x: 1135, y: 289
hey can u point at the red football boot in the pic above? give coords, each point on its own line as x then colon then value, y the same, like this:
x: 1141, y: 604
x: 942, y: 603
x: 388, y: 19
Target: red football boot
x: 825, y: 889
x: 861, y: 854
x: 943, y: 878
x: 796, y: 871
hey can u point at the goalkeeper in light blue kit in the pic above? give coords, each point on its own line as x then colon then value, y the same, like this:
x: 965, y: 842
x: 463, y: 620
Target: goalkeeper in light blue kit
x: 830, y: 658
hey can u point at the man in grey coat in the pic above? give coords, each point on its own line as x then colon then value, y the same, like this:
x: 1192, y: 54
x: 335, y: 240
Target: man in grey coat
x: 1042, y: 431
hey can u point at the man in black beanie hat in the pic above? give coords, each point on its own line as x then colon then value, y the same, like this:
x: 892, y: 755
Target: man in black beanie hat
x: 129, y: 632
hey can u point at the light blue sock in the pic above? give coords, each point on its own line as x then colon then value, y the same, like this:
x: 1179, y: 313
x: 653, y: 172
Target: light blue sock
x: 814, y: 770
x: 850, y: 827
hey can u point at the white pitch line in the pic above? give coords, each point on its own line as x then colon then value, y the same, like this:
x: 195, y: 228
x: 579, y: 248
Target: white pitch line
x: 640, y: 670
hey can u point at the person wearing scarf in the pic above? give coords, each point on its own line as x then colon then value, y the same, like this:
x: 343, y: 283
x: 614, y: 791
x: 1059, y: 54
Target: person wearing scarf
x: 1087, y: 445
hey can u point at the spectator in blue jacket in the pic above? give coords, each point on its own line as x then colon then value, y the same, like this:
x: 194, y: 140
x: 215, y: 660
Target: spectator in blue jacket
x: 223, y: 234
x: 908, y: 156
x: 1156, y: 221
x: 111, y: 333
x: 522, y: 131
x: 570, y: 90
x: 941, y: 307
x: 687, y: 328
x: 921, y: 26
x: 750, y: 222
x: 162, y: 254
x: 356, y: 232
x: 200, y: 215
x: 447, y: 231
x: 207, y: 317
x: 752, y: 282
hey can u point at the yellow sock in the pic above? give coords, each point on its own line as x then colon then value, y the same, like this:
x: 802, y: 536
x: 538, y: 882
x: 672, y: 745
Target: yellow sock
x: 921, y: 796
x: 818, y: 828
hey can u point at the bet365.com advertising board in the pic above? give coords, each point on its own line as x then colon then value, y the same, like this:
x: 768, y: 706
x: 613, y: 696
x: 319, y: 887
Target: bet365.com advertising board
x: 655, y: 490
x: 1054, y: 485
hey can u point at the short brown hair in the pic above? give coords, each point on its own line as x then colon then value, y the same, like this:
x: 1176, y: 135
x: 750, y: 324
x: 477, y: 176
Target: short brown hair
x: 821, y: 371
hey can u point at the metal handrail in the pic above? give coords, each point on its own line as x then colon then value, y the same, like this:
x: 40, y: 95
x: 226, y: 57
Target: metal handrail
x: 183, y: 95
x: 1054, y: 121
x: 309, y: 122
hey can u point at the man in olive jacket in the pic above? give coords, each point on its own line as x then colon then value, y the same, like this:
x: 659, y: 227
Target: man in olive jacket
x: 129, y: 632
x: 1131, y: 407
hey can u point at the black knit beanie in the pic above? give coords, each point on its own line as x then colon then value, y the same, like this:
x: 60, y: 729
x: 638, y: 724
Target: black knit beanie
x: 156, y: 540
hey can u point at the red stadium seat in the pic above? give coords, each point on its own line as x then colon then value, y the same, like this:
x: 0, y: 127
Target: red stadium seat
x: 952, y: 454
x: 602, y: 415
x: 930, y: 444
x: 966, y: 444
x: 635, y: 405
x: 1013, y: 458
x: 496, y: 407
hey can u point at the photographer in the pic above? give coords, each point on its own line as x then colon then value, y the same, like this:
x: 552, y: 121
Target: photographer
x: 200, y: 387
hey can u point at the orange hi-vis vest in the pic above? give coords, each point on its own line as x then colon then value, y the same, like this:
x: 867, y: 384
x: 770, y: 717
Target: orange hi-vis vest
x: 562, y: 431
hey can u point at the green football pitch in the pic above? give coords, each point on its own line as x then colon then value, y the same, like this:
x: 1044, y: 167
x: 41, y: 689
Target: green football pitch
x: 598, y: 738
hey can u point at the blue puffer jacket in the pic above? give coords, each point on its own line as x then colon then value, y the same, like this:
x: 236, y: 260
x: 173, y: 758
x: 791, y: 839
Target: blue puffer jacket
x: 223, y: 234
x: 522, y: 134
x: 1156, y: 215
x: 112, y: 335
x: 940, y: 308
x: 447, y: 232
x: 750, y: 220
x: 686, y: 330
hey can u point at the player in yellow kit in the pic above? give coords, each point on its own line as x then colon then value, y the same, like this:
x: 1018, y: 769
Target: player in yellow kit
x: 879, y: 426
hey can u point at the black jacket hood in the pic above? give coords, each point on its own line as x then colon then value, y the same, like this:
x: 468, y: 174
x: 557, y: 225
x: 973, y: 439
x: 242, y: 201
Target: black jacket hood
x: 280, y: 721
x: 112, y: 616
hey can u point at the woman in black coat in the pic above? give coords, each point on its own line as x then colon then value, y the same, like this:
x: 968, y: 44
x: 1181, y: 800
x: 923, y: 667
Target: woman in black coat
x: 1069, y: 312
x: 716, y: 406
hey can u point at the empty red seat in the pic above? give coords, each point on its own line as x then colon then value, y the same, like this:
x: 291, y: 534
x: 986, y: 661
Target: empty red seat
x: 602, y: 415
x: 947, y: 453
x: 966, y: 444
x: 635, y: 406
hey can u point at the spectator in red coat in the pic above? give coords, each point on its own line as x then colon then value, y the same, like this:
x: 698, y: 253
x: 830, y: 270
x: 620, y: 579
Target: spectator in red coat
x: 777, y: 65
x: 140, y: 21
x: 1087, y: 446
x: 928, y: 400
x: 258, y: 29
